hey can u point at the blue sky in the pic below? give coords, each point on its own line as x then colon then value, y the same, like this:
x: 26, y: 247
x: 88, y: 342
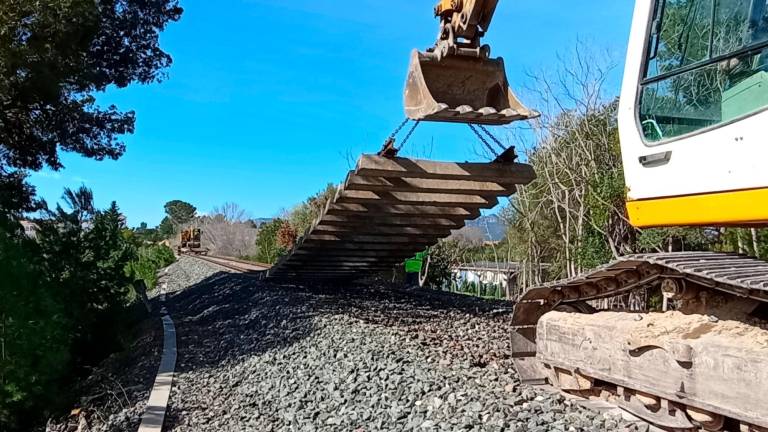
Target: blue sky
x: 266, y: 100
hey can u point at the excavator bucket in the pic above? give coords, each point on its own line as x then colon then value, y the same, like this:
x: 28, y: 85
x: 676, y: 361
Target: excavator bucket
x: 461, y: 89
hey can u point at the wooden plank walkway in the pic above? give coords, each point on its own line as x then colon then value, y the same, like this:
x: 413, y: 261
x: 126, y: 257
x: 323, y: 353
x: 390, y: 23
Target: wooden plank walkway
x: 388, y: 209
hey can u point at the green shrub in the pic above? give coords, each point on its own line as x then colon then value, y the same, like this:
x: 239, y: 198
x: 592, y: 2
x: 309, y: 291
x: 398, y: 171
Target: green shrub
x: 268, y: 249
x: 34, y: 333
x: 65, y: 305
x: 149, y: 260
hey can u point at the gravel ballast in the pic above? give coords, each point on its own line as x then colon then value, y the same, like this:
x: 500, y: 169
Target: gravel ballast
x: 256, y: 356
x: 186, y: 272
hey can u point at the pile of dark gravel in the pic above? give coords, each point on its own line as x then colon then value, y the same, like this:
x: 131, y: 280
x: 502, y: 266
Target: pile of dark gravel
x: 255, y: 356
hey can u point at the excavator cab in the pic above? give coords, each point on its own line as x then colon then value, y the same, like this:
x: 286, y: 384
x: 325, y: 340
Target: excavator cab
x: 457, y: 80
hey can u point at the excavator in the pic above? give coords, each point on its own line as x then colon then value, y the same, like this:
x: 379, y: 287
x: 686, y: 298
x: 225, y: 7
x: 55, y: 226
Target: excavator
x: 191, y: 242
x: 691, y: 112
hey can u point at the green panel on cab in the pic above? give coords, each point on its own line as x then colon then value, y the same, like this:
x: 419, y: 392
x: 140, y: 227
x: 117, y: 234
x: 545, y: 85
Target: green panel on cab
x: 745, y: 97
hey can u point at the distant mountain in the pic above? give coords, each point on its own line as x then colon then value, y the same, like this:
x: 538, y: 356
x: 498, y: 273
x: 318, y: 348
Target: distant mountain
x: 492, y: 227
x: 261, y: 221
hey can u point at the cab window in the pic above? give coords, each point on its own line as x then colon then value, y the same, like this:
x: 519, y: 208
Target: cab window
x: 707, y: 64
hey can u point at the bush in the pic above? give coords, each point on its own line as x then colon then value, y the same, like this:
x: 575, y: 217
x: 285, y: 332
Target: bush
x: 34, y: 333
x: 85, y: 257
x: 66, y: 304
x: 304, y: 215
x: 442, y: 257
x: 269, y: 250
x: 149, y: 260
x: 286, y: 236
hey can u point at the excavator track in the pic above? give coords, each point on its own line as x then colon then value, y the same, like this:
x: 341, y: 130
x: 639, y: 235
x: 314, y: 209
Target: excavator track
x: 698, y: 370
x: 736, y: 274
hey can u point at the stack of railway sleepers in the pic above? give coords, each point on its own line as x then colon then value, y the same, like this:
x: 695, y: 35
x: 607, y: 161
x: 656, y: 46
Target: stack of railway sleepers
x: 388, y: 209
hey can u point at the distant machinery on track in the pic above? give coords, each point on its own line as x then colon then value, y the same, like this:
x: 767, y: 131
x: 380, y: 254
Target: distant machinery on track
x: 191, y: 242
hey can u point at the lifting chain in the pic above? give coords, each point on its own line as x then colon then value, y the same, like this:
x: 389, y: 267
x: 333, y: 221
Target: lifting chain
x: 483, y: 140
x: 388, y: 149
x: 408, y: 135
x: 399, y: 128
x: 507, y: 155
x: 495, y: 140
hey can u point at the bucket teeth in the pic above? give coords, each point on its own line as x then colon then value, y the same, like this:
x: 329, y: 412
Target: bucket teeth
x: 461, y: 90
x: 465, y: 110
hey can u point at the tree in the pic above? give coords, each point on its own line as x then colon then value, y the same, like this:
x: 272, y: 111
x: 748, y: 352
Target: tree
x: 228, y: 231
x: 572, y: 215
x: 230, y: 212
x: 304, y: 215
x: 268, y: 249
x: 65, y: 303
x: 34, y: 335
x: 166, y: 229
x: 286, y: 236
x: 180, y: 212
x: 80, y: 201
x: 64, y: 298
x: 442, y: 258
x: 469, y: 235
x: 87, y: 261
x: 54, y: 56
x: 144, y: 234
x: 16, y: 195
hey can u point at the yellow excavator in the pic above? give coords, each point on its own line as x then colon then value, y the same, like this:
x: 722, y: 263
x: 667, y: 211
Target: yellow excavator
x: 191, y: 242
x: 691, y: 113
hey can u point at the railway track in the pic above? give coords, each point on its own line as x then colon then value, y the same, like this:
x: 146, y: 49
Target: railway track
x: 233, y: 264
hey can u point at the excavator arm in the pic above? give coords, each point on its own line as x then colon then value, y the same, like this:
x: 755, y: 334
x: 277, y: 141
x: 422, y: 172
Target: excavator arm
x: 462, y: 24
x: 456, y: 80
x: 471, y: 17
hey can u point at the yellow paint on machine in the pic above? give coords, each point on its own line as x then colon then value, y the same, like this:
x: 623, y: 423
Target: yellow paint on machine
x: 746, y: 207
x: 444, y: 6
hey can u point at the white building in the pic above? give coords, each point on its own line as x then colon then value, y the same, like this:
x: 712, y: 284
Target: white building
x: 486, y: 272
x: 489, y: 274
x: 30, y: 228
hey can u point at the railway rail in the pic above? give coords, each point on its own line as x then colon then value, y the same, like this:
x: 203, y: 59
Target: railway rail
x: 233, y: 264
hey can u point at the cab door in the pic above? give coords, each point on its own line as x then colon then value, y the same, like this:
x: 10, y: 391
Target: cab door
x: 692, y: 117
